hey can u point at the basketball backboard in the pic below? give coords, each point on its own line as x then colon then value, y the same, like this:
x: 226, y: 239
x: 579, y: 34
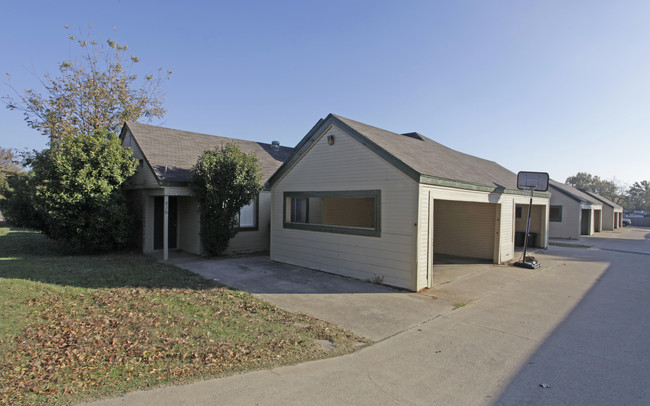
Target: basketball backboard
x: 537, y: 181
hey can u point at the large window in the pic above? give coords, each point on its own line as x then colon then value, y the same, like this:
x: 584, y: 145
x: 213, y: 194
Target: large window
x: 248, y: 216
x: 347, y: 212
x: 555, y: 213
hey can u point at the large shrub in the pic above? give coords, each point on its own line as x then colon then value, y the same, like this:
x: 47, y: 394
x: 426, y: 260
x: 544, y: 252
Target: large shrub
x: 78, y: 190
x: 17, y: 203
x: 225, y: 179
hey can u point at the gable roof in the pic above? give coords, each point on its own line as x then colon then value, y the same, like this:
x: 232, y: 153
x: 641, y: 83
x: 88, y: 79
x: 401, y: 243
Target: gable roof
x: 419, y: 157
x: 573, y: 193
x: 172, y: 153
x: 602, y: 199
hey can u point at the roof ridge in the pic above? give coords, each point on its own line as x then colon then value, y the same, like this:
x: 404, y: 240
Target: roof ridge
x: 130, y: 123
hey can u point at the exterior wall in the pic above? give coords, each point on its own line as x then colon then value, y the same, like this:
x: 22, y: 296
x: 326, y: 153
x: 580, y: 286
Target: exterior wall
x: 611, y: 217
x: 189, y: 228
x: 255, y: 240
x: 538, y: 222
x: 608, y: 217
x: 569, y: 227
x: 347, y: 166
x: 143, y: 178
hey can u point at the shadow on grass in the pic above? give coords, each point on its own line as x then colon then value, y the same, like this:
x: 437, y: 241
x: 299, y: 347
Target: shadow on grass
x: 31, y: 256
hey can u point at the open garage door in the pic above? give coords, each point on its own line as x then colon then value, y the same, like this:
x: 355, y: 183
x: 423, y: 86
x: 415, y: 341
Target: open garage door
x: 465, y: 229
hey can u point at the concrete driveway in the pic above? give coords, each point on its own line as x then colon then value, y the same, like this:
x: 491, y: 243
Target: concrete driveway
x: 367, y: 309
x: 573, y: 332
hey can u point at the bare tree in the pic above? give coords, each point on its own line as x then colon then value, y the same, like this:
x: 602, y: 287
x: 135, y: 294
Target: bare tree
x: 97, y: 91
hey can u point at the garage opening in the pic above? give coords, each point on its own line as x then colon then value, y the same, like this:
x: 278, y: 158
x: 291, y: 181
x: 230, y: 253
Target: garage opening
x: 464, y: 230
x: 536, y: 235
x: 585, y: 221
x: 598, y: 221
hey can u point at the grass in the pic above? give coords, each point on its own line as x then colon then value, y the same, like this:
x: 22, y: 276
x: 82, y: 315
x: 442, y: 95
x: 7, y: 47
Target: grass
x: 82, y: 327
x: 458, y: 305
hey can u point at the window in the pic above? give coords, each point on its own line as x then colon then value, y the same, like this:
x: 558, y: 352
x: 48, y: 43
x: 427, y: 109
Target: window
x: 347, y: 212
x: 518, y: 211
x: 248, y: 216
x: 555, y: 213
x: 299, y: 210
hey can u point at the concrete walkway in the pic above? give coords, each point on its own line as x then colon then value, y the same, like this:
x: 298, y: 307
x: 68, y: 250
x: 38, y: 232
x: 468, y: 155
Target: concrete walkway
x: 571, y: 332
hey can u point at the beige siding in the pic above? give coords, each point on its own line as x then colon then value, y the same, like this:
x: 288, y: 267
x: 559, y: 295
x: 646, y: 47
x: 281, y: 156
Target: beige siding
x: 143, y: 177
x: 506, y: 230
x: 464, y: 228
x: 611, y: 217
x: 348, y: 165
x: 608, y: 217
x: 255, y: 240
x: 569, y: 227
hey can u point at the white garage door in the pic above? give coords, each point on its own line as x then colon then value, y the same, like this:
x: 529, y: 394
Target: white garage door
x: 464, y: 229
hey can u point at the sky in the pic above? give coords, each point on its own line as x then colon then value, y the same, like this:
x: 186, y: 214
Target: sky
x: 547, y: 86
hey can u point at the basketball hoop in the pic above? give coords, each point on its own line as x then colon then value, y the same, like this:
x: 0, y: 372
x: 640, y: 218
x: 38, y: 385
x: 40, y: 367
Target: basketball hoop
x: 532, y: 181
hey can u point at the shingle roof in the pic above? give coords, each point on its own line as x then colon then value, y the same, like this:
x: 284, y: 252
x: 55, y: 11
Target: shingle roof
x: 428, y: 157
x: 179, y: 150
x: 603, y: 200
x: 576, y: 194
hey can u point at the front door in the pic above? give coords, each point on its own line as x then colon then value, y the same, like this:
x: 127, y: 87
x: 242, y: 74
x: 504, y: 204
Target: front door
x: 158, y: 222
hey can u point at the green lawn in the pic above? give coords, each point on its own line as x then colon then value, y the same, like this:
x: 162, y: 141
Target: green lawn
x: 79, y: 327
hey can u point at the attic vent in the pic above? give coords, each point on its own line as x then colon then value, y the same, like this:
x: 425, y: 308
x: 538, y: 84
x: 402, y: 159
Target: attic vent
x: 414, y: 136
x: 275, y: 145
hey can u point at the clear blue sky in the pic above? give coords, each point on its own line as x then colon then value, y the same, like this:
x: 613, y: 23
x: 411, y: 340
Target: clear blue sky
x: 555, y: 86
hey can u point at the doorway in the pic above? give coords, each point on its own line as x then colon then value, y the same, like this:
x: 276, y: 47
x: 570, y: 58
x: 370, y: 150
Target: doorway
x: 159, y: 220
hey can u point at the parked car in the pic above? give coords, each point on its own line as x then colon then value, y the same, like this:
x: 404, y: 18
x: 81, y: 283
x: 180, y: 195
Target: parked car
x: 627, y: 222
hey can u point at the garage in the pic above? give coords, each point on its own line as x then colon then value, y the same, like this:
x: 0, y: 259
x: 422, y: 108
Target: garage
x: 371, y: 204
x: 465, y: 229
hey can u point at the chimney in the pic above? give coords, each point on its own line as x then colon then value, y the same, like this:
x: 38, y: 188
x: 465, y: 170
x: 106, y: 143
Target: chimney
x: 275, y: 145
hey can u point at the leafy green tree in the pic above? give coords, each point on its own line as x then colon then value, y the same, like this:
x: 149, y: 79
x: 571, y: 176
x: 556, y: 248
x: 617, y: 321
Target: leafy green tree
x: 8, y: 163
x: 17, y: 203
x: 225, y: 179
x: 609, y: 189
x: 98, y: 91
x: 582, y: 180
x: 639, y: 196
x: 78, y: 191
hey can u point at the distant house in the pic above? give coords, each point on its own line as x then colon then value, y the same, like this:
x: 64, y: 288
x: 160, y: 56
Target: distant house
x: 364, y: 202
x: 166, y: 157
x: 573, y: 213
x: 612, y: 212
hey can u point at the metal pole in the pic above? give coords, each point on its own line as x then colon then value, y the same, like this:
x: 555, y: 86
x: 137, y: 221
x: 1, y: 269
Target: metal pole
x: 530, y: 210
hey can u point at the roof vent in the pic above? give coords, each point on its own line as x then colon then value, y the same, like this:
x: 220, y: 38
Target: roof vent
x: 414, y: 135
x: 275, y: 145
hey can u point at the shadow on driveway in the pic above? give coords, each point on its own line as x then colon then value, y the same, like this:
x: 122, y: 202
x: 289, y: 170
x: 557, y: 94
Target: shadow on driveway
x: 370, y: 310
x: 367, y: 309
